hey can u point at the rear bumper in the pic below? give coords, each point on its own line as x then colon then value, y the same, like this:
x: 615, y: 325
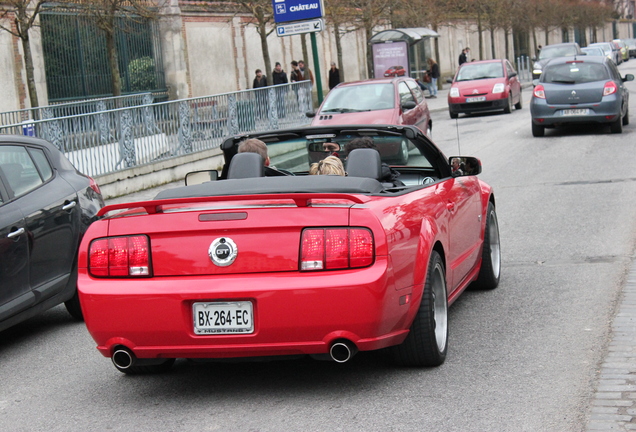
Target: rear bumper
x: 293, y: 313
x: 543, y: 114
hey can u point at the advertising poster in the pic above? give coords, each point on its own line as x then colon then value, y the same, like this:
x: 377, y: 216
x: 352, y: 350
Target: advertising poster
x: 390, y: 59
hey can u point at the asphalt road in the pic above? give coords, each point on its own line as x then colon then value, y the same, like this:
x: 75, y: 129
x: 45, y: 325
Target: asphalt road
x: 524, y: 357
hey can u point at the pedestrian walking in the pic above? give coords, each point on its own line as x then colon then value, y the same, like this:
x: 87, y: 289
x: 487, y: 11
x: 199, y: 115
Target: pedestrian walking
x: 463, y: 57
x: 260, y: 80
x: 306, y: 72
x: 433, y: 73
x: 280, y: 77
x: 334, y: 76
x: 296, y: 75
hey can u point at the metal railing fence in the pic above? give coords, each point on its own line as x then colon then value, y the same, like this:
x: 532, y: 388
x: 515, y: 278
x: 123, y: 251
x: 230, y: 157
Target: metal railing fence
x: 112, y: 140
x: 524, y: 68
x: 85, y: 106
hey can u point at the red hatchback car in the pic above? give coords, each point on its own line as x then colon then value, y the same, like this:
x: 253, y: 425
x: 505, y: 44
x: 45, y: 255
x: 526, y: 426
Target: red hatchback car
x: 481, y: 86
x: 395, y: 71
x: 292, y: 264
x: 390, y: 101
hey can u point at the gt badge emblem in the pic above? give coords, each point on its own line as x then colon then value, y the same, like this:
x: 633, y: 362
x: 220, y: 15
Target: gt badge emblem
x: 222, y: 251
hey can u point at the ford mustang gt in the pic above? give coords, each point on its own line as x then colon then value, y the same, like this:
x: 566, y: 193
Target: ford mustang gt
x: 271, y: 261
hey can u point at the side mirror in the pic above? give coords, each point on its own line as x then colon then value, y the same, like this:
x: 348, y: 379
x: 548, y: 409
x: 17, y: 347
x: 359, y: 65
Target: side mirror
x: 628, y: 77
x: 408, y: 105
x: 513, y: 74
x: 464, y: 165
x: 198, y: 177
x: 310, y: 114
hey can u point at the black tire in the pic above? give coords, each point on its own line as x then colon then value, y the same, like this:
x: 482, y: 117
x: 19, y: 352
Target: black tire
x: 427, y: 341
x: 452, y: 114
x: 490, y: 270
x: 519, y: 104
x: 508, y: 108
x: 73, y: 304
x: 616, y: 126
x: 626, y: 118
x: 147, y: 369
x: 537, y: 131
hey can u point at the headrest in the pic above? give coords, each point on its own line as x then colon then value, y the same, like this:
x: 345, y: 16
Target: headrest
x: 364, y: 162
x: 246, y: 165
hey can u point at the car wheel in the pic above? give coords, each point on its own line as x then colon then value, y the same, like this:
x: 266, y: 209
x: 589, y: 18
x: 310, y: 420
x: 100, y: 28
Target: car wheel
x: 429, y: 131
x: 508, y: 108
x: 519, y: 104
x: 626, y: 118
x: 453, y: 115
x: 427, y: 341
x: 490, y: 270
x: 404, y: 153
x: 537, y: 131
x: 617, y: 126
x: 73, y: 304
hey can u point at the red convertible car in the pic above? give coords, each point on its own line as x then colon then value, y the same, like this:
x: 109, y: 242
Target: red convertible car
x: 270, y: 261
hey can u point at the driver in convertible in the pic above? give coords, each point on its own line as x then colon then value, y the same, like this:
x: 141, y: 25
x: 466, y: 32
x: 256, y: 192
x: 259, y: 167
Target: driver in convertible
x: 389, y: 175
x: 253, y: 145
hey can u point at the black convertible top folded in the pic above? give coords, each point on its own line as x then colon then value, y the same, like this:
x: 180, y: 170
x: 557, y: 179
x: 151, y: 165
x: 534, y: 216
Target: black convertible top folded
x: 276, y: 185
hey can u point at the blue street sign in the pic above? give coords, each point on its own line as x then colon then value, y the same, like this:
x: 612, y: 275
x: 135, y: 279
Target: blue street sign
x: 297, y: 10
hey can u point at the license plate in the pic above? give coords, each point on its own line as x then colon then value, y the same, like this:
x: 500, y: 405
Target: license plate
x: 476, y: 99
x: 576, y: 112
x: 223, y: 317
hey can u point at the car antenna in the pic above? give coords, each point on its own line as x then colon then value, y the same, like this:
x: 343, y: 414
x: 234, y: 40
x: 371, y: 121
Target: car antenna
x: 459, y: 150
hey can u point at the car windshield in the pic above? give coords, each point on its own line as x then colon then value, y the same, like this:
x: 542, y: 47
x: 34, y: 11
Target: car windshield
x: 296, y: 154
x: 557, y: 51
x: 357, y: 98
x: 476, y: 71
x: 574, y: 73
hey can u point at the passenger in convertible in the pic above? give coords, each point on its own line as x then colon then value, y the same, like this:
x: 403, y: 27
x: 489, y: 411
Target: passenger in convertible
x: 389, y: 175
x: 330, y: 165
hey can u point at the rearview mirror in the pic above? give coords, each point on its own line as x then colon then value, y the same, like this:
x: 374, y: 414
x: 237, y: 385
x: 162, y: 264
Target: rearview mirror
x: 198, y: 177
x: 464, y: 165
x: 408, y: 105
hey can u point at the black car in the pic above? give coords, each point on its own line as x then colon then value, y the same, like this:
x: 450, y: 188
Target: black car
x: 46, y: 205
x: 551, y: 51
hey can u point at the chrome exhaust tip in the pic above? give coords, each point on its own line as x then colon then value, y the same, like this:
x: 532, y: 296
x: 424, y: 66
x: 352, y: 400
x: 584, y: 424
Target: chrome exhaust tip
x: 123, y: 359
x: 342, y: 351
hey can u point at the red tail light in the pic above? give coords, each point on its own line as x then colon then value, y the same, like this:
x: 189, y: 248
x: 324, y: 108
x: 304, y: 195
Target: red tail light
x: 539, y: 92
x: 119, y: 257
x: 609, y: 88
x: 336, y: 248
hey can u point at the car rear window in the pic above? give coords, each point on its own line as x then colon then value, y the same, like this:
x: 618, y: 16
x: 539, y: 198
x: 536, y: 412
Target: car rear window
x: 557, y: 51
x: 575, y: 73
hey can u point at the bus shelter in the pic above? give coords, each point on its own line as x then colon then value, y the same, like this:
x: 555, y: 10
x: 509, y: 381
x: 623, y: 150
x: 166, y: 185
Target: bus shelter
x: 403, y: 51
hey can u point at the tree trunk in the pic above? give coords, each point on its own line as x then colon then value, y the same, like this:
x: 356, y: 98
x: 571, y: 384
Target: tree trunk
x: 303, y: 42
x: 336, y: 30
x: 436, y: 45
x: 492, y: 43
x: 113, y: 61
x: 368, y: 28
x: 507, y: 44
x: 480, y: 31
x: 28, y: 66
x: 262, y: 32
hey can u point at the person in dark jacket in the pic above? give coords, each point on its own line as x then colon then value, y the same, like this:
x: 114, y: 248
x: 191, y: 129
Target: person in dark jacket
x: 260, y: 80
x: 433, y: 72
x: 278, y: 75
x: 334, y: 76
x: 463, y: 57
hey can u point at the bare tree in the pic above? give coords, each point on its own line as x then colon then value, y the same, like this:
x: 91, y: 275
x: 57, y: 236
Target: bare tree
x: 22, y: 15
x: 370, y: 14
x: 263, y: 20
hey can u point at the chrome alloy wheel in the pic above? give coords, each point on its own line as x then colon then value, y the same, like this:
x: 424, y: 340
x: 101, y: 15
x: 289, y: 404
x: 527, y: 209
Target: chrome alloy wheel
x: 493, y: 237
x: 440, y: 306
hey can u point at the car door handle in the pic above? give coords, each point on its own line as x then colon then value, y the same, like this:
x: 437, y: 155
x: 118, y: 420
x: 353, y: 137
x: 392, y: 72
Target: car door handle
x: 69, y: 205
x: 16, y: 233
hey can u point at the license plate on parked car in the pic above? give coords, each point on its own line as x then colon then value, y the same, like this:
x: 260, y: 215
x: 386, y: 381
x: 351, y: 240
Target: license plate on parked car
x: 223, y: 317
x: 476, y: 99
x: 575, y: 112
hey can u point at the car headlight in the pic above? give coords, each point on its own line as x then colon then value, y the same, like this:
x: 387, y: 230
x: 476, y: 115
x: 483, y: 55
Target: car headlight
x: 537, y: 68
x: 498, y: 88
x: 454, y: 92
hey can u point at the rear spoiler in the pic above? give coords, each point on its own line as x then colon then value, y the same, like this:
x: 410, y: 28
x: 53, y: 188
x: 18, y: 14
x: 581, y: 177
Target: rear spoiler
x: 301, y: 200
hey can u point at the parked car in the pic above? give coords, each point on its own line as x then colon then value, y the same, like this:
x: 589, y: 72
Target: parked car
x: 631, y: 47
x: 45, y: 208
x: 488, y: 85
x: 319, y: 265
x: 394, y: 101
x: 395, y: 71
x: 593, y: 51
x: 580, y: 90
x: 609, y: 49
x: 622, y: 48
x: 552, y: 51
